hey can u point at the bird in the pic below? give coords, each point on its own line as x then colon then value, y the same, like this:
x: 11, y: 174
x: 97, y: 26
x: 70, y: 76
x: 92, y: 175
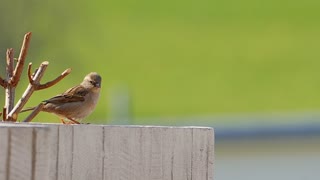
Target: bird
x: 77, y: 102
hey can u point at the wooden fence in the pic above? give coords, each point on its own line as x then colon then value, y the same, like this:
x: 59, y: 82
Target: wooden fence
x: 94, y: 152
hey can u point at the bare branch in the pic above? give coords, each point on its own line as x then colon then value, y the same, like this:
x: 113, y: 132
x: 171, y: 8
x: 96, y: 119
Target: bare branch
x: 28, y: 92
x: 29, y: 74
x: 4, y: 112
x: 3, y: 82
x: 34, y: 85
x: 34, y: 113
x: 13, y: 75
x: 55, y: 81
x: 10, y: 89
x: 10, y: 61
x: 23, y: 53
x: 10, y: 64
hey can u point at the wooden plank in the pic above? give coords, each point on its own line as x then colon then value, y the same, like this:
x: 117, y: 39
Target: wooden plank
x: 210, y: 154
x: 167, y: 154
x: 87, y: 154
x: 21, y: 153
x: 4, y: 150
x: 120, y: 158
x: 128, y: 154
x: 144, y: 154
x: 25, y: 152
x: 201, y: 148
x: 64, y: 152
x: 53, y: 154
x: 147, y: 153
x: 182, y: 154
x: 156, y: 168
x: 76, y: 152
x: 41, y: 153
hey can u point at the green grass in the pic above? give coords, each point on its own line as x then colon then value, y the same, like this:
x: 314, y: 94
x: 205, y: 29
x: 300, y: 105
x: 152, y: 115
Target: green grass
x: 181, y: 58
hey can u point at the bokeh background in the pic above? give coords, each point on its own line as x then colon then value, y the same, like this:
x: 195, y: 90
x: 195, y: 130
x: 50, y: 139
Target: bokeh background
x: 248, y: 68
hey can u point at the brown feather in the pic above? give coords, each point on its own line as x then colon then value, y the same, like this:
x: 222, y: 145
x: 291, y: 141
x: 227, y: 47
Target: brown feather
x: 74, y: 94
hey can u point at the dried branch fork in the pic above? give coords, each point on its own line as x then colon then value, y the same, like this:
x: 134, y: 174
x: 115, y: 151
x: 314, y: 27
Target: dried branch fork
x: 13, y: 75
x: 34, y: 85
x: 38, y: 86
x: 16, y: 73
x: 10, y: 112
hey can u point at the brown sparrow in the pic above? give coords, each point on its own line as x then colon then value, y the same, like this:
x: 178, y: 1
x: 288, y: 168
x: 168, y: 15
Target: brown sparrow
x: 77, y: 102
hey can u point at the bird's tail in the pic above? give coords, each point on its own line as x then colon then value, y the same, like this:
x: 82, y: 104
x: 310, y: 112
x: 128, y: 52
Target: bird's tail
x: 27, y: 109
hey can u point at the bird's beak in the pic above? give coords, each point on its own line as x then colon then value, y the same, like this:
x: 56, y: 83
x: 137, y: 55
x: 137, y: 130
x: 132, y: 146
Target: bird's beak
x: 98, y: 85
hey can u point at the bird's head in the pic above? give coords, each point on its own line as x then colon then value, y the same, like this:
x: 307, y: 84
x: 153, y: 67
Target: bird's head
x: 93, y: 80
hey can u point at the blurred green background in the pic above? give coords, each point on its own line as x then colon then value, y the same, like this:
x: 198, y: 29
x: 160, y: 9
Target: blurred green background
x: 175, y: 58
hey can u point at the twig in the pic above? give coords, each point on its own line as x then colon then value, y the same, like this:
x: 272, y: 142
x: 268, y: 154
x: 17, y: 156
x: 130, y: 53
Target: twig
x: 34, y: 113
x: 30, y: 76
x: 55, y: 81
x: 3, y: 82
x: 38, y: 86
x: 4, y: 112
x: 10, y: 89
x: 22, y: 56
x: 34, y: 85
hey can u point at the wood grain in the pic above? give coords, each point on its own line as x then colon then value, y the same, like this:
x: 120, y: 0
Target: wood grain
x: 84, y: 152
x: 24, y: 152
x: 41, y: 153
x: 87, y: 152
x: 4, y: 151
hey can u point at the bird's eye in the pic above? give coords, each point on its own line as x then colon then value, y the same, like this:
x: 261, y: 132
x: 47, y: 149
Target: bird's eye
x: 92, y: 82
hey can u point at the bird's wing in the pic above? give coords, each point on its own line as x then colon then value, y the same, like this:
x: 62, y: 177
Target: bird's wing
x: 74, y: 94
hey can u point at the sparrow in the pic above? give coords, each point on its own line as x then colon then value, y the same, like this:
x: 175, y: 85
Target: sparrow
x: 77, y: 102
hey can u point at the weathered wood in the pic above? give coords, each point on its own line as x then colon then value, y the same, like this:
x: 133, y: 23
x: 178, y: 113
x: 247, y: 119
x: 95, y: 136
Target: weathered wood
x: 4, y: 148
x: 24, y: 152
x: 41, y: 152
x: 76, y: 152
x: 87, y: 152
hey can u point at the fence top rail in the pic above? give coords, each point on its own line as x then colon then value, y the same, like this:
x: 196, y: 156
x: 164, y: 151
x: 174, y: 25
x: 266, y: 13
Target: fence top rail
x: 8, y: 124
x: 108, y: 152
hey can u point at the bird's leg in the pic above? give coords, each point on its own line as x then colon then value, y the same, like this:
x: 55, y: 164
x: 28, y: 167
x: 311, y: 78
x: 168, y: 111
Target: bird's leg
x: 63, y: 122
x: 74, y: 121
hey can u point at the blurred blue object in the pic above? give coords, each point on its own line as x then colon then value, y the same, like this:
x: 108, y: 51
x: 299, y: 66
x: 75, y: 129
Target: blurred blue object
x: 256, y: 126
x: 267, y: 131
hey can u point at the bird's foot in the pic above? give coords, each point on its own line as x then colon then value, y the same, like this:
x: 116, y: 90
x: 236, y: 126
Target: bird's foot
x: 62, y: 121
x: 70, y: 121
